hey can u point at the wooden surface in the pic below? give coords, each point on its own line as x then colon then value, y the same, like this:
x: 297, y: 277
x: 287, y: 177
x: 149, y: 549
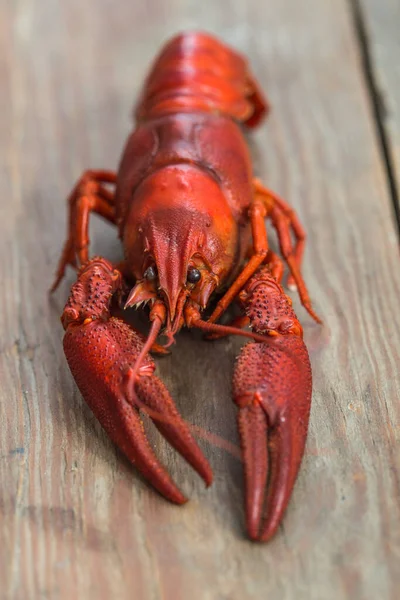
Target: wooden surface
x: 76, y: 520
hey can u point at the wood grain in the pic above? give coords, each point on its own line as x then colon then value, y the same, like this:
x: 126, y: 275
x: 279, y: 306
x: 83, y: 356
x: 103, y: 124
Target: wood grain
x: 77, y: 521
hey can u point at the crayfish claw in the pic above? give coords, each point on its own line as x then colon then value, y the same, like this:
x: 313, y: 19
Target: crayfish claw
x: 151, y: 396
x: 101, y: 352
x: 98, y: 355
x: 252, y: 425
x: 272, y: 387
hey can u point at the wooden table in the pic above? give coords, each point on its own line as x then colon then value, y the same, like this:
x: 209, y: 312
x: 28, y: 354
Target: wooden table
x: 76, y: 520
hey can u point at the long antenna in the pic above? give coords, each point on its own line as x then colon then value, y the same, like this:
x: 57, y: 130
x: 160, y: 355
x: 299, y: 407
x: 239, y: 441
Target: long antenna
x: 227, y: 330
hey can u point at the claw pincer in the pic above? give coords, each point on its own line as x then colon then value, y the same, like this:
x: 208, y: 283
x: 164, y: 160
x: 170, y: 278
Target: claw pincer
x: 272, y: 388
x: 101, y: 351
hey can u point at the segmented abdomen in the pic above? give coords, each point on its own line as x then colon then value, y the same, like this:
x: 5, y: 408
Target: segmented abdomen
x: 196, y: 72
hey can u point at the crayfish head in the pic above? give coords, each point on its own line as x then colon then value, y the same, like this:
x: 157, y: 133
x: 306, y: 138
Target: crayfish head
x: 174, y: 273
x: 178, y: 248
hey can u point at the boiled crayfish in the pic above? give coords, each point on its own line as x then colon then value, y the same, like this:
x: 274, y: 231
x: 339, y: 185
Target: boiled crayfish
x: 191, y: 218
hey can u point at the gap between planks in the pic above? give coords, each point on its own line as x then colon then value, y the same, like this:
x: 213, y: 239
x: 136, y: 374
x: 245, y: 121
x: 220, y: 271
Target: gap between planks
x: 377, y: 101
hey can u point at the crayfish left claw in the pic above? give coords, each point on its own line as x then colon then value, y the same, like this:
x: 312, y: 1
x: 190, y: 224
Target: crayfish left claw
x: 272, y: 387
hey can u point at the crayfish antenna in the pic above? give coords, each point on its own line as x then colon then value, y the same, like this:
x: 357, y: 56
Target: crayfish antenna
x: 193, y: 320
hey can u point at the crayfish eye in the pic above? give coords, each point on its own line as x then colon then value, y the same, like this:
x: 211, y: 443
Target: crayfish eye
x: 150, y: 273
x: 193, y: 275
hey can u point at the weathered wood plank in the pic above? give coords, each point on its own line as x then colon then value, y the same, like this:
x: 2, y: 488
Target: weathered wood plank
x: 381, y: 20
x: 76, y: 519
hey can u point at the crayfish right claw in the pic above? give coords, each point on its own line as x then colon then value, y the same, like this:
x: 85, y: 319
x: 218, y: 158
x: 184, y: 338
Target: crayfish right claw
x: 101, y: 352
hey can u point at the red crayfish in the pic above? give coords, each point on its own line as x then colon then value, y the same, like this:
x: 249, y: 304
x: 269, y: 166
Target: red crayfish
x: 191, y: 218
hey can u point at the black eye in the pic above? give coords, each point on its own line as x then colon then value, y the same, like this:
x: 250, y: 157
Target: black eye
x: 193, y: 275
x: 150, y: 273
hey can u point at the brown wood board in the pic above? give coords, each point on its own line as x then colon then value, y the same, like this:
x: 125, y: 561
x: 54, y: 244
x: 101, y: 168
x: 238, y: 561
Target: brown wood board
x: 76, y: 519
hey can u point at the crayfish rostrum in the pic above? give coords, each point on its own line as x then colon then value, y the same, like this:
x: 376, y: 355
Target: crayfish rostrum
x: 191, y: 219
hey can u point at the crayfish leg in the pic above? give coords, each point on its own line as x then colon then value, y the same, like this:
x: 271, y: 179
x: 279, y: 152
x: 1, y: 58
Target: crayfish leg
x: 285, y: 221
x: 88, y: 195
